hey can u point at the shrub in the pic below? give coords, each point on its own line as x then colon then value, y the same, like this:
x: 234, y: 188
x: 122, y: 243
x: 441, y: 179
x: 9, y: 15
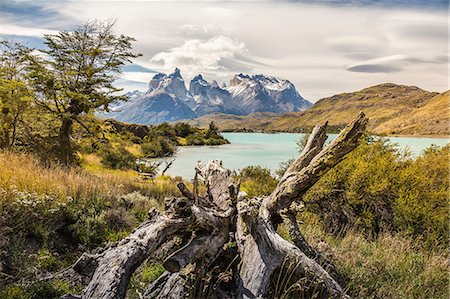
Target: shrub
x: 256, y: 180
x: 157, y: 147
x: 118, y: 219
x: 13, y: 292
x: 183, y: 129
x: 376, y: 189
x: 118, y: 158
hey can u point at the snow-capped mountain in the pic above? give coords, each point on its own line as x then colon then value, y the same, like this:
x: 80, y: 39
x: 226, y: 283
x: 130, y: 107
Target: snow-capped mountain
x: 167, y: 98
x: 261, y: 93
x: 210, y: 98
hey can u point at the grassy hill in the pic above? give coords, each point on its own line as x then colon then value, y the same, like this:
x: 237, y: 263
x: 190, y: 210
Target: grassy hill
x: 391, y: 108
x: 430, y: 119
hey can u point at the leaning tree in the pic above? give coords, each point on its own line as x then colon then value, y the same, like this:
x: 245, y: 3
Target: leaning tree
x: 75, y: 75
x: 230, y: 246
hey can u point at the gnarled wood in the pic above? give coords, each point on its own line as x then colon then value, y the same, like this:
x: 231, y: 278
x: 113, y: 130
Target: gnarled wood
x: 263, y: 250
x: 117, y: 264
x: 222, y: 216
x: 296, y: 183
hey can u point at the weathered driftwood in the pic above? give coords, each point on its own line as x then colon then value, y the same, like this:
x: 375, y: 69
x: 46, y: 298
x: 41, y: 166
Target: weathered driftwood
x: 224, y: 216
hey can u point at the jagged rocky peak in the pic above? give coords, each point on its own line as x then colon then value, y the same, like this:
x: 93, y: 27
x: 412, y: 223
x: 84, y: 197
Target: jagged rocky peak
x: 156, y: 81
x: 172, y: 84
x: 273, y: 83
x: 260, y: 93
x: 176, y: 74
x: 168, y: 99
x: 238, y: 79
x: 197, y: 84
x: 215, y: 84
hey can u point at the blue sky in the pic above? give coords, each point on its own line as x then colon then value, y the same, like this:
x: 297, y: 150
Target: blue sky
x: 324, y: 47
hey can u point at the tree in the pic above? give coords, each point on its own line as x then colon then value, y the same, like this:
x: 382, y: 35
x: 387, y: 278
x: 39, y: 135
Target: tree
x: 76, y: 72
x: 213, y: 130
x: 15, y: 96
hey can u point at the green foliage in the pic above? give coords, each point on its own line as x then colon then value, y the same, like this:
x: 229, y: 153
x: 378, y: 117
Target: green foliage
x: 13, y: 292
x: 376, y: 189
x: 256, y: 180
x: 151, y: 272
x: 15, y: 95
x: 422, y: 196
x: 118, y: 158
x: 157, y: 147
x: 41, y: 290
x: 183, y: 129
x: 77, y: 73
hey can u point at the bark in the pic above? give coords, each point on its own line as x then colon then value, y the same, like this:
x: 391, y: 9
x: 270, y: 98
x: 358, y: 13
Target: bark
x: 262, y: 249
x: 223, y: 216
x: 64, y: 141
x: 116, y: 265
x: 299, y: 240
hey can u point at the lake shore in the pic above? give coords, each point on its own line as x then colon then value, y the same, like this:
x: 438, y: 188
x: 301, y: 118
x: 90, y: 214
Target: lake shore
x: 268, y: 150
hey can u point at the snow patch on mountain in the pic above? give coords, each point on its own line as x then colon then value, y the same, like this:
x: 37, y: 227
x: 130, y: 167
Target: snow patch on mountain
x: 167, y: 98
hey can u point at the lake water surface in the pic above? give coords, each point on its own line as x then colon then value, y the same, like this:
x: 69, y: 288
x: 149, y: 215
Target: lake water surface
x: 267, y: 150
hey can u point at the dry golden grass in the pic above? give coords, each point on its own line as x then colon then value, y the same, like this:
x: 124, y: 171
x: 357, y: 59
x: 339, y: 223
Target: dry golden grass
x: 23, y: 172
x: 391, y: 266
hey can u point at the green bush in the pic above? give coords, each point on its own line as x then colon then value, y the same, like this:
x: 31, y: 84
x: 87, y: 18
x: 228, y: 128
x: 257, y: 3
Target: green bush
x: 13, y: 292
x: 42, y: 290
x: 375, y: 189
x: 117, y: 158
x: 256, y: 180
x: 157, y: 147
x: 183, y: 129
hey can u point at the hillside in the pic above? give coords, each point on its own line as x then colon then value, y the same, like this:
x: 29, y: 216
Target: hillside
x: 391, y: 108
x: 430, y: 119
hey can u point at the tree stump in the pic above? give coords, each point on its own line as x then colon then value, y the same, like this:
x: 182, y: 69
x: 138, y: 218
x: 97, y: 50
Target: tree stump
x: 232, y: 249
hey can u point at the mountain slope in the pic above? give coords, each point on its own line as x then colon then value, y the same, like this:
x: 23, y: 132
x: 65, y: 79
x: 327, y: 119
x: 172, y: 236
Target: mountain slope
x: 261, y: 93
x: 210, y: 98
x: 388, y: 107
x: 430, y: 119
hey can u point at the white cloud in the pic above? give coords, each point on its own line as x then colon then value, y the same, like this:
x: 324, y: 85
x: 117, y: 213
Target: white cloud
x: 317, y: 47
x: 220, y: 13
x: 11, y: 29
x: 388, y: 64
x: 142, y: 77
x: 195, y: 56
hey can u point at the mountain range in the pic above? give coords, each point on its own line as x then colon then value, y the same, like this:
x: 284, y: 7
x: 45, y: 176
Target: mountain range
x: 168, y: 99
x: 392, y: 109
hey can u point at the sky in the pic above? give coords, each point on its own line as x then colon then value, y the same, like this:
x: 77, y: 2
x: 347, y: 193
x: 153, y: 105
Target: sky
x: 324, y: 47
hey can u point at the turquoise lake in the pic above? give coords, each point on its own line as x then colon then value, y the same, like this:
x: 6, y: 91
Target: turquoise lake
x: 267, y: 150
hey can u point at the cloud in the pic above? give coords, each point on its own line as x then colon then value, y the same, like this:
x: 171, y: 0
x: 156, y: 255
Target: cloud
x: 221, y: 13
x: 141, y: 77
x: 137, y: 68
x: 429, y: 4
x: 324, y: 47
x: 195, y: 56
x: 388, y: 64
x: 12, y: 30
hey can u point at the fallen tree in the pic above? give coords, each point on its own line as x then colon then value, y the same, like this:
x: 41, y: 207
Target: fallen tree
x: 231, y: 248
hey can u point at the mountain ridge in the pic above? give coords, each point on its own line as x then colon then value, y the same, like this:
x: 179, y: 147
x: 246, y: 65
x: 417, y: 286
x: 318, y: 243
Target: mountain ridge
x: 168, y: 99
x: 391, y: 108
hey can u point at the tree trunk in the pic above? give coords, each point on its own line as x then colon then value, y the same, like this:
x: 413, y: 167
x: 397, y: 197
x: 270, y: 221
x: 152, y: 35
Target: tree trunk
x: 65, y: 147
x: 217, y: 220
